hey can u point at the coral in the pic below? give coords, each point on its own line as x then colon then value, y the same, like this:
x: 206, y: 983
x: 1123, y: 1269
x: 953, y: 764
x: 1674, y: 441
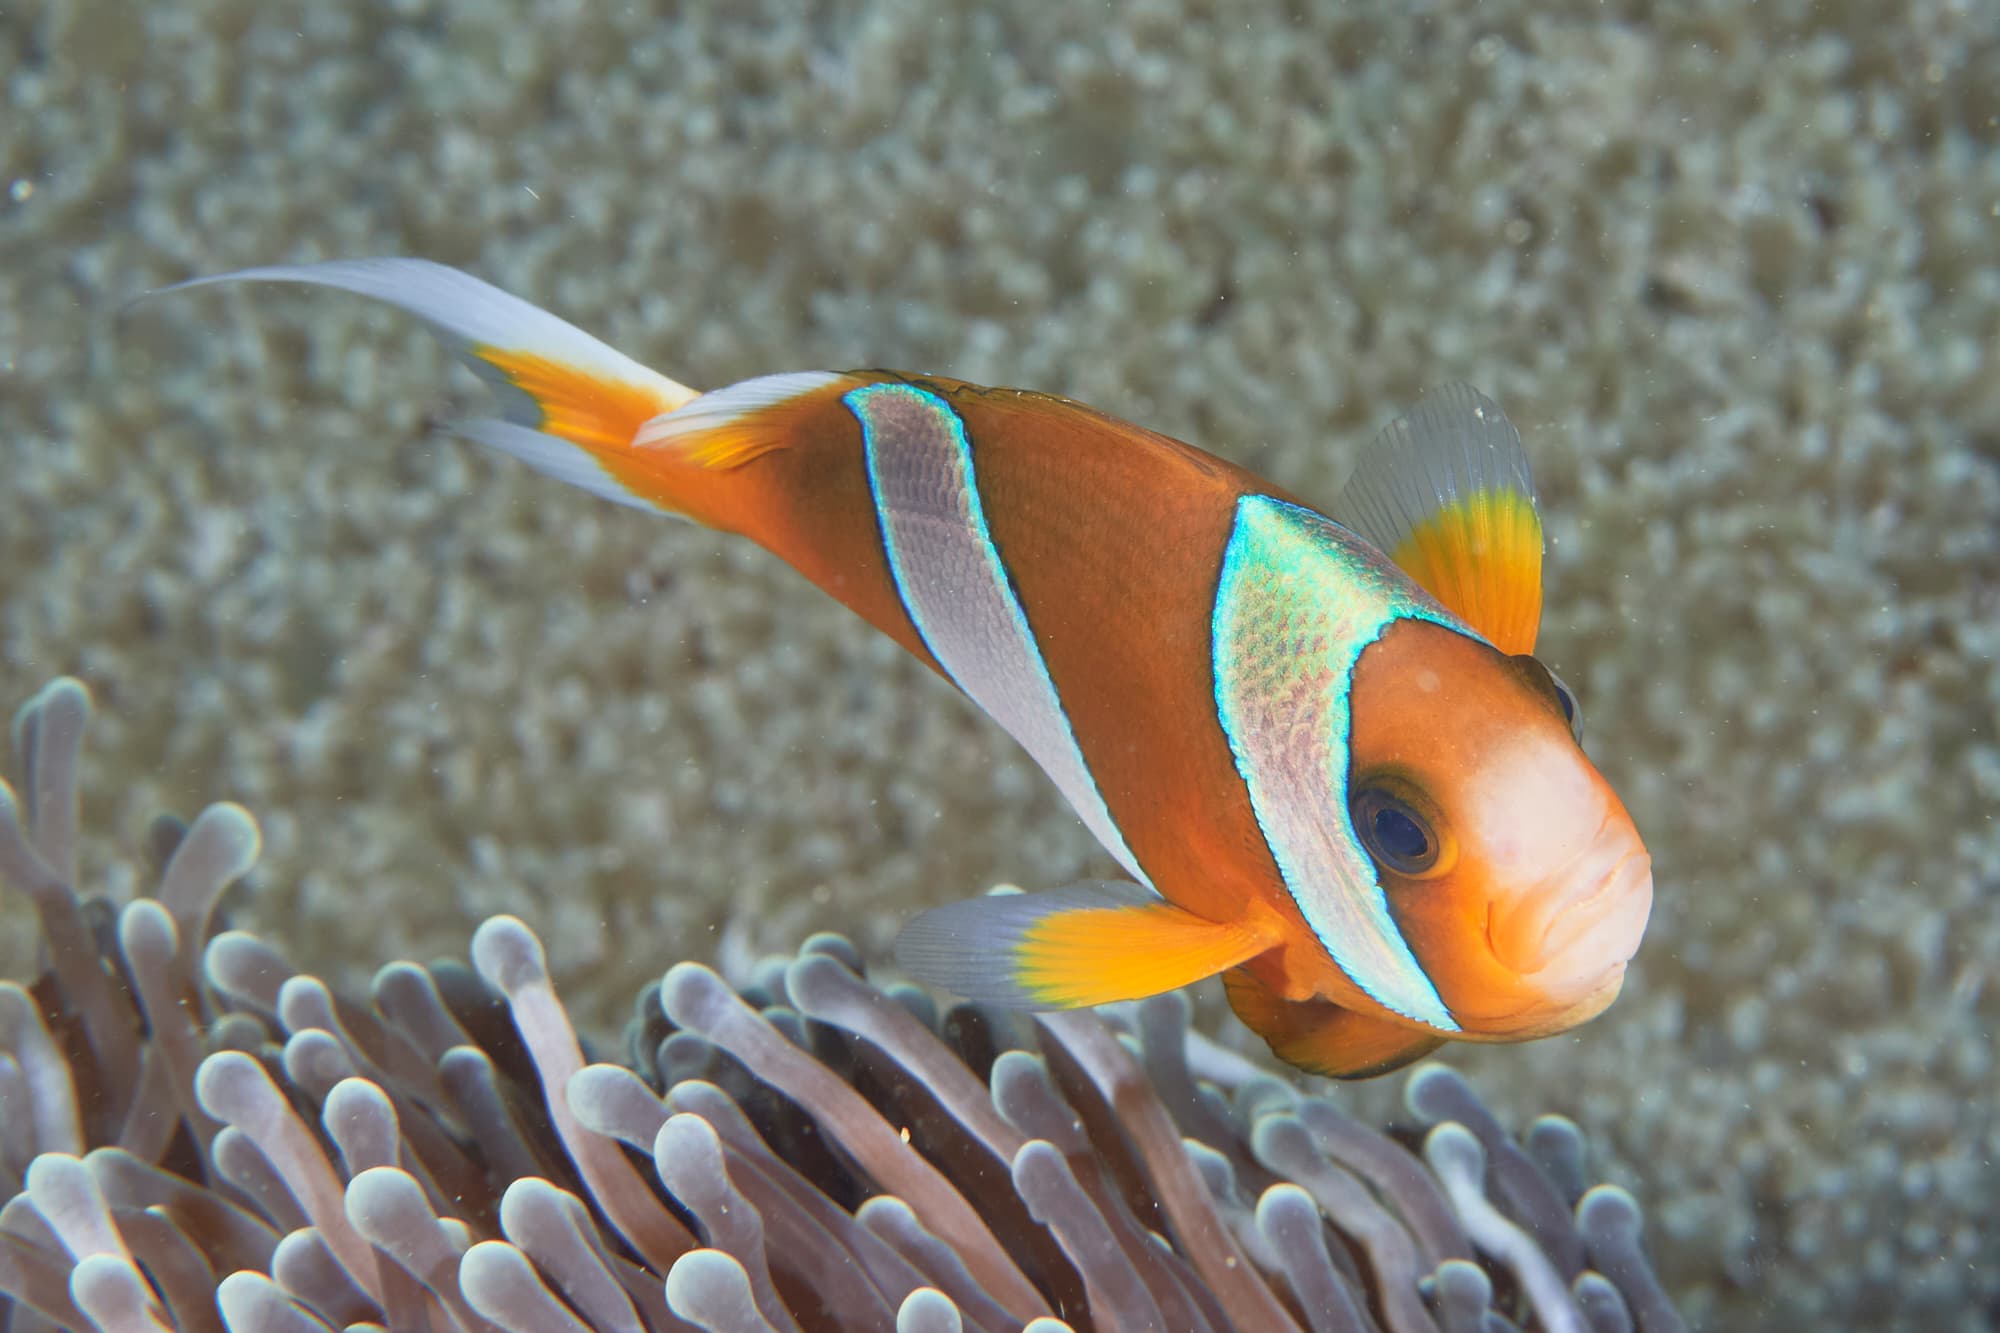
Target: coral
x: 199, y: 1137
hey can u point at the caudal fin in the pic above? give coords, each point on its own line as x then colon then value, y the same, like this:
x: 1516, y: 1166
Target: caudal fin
x: 573, y: 405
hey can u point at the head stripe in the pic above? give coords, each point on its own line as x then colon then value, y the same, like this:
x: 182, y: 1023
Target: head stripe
x: 957, y: 590
x: 1299, y: 598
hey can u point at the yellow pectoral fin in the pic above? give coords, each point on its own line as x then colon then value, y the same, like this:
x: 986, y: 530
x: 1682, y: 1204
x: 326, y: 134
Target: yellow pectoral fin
x: 1086, y: 944
x: 1321, y: 1037
x: 1102, y: 955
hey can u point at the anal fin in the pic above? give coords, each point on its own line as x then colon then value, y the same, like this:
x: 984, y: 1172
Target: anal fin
x: 1322, y: 1038
x: 1092, y: 943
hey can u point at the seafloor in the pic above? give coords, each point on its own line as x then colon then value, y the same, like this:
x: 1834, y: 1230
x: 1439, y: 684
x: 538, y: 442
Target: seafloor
x: 1735, y: 273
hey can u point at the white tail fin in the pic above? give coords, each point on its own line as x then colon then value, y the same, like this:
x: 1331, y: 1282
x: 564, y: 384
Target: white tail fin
x: 573, y: 405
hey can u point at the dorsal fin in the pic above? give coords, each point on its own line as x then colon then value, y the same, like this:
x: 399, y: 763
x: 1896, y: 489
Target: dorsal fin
x: 1447, y: 494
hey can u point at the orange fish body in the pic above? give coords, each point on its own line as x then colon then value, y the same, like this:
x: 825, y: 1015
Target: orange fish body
x: 1334, y: 778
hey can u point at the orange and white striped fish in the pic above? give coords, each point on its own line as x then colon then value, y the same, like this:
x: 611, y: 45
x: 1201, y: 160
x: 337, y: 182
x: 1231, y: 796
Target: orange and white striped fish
x: 1318, y: 743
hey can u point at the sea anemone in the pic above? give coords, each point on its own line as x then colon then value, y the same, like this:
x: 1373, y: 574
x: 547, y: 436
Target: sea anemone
x: 198, y: 1137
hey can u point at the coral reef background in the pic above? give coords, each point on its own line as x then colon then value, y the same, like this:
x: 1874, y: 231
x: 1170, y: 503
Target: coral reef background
x: 1734, y: 273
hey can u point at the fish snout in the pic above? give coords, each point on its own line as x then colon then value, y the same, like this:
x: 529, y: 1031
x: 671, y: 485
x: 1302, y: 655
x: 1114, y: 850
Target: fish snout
x: 1568, y: 933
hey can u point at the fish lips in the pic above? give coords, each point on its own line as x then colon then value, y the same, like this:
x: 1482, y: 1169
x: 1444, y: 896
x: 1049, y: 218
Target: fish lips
x: 1577, y: 930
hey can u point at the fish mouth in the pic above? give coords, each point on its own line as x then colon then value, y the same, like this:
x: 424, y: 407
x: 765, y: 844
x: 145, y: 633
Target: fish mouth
x: 1584, y: 924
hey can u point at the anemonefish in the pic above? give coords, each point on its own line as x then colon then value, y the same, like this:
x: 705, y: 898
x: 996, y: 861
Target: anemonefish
x: 1318, y: 743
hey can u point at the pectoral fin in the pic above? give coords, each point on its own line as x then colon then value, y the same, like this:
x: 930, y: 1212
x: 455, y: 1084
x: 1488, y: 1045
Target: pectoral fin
x: 1447, y: 494
x: 1091, y: 943
x: 1323, y: 1038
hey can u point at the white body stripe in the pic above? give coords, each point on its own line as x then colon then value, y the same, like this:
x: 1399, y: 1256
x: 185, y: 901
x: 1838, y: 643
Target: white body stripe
x: 958, y: 592
x: 1298, y: 600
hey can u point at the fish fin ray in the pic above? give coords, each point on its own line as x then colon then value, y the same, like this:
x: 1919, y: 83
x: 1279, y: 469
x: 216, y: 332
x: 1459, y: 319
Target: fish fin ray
x: 731, y: 426
x: 1322, y: 1038
x: 1091, y: 943
x: 1447, y: 493
x: 552, y: 457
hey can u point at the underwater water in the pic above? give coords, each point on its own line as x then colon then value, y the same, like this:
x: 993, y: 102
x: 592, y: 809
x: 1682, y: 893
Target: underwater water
x: 1735, y: 275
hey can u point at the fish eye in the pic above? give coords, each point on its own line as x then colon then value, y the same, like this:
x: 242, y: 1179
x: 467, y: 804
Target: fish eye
x: 1566, y: 700
x: 1394, y: 833
x: 1565, y: 697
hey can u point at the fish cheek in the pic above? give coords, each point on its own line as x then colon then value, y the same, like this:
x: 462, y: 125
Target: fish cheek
x: 1446, y: 920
